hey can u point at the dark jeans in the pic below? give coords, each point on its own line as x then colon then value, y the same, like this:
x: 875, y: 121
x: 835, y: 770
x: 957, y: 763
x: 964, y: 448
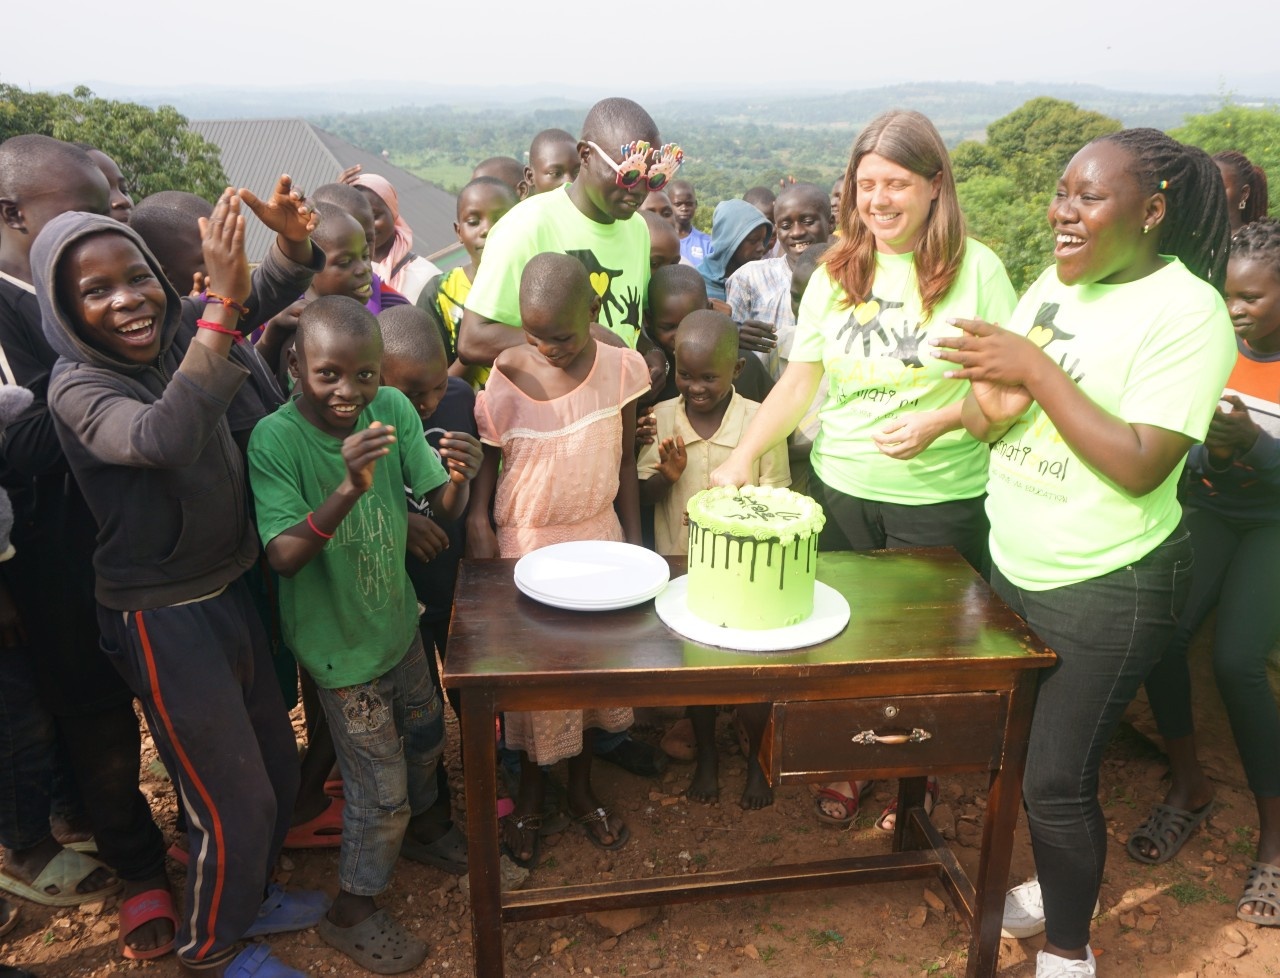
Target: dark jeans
x: 1108, y: 632
x: 27, y: 751
x: 1237, y: 569
x: 854, y: 523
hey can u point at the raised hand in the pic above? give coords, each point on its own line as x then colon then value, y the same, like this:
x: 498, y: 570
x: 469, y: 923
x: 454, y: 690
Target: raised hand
x: 672, y: 458
x: 362, y: 450
x: 348, y: 176
x: 222, y: 241
x: 285, y: 212
x: 461, y: 455
x: 997, y: 364
x: 199, y: 283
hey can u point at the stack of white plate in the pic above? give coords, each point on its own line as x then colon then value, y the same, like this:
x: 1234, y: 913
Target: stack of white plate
x: 591, y: 575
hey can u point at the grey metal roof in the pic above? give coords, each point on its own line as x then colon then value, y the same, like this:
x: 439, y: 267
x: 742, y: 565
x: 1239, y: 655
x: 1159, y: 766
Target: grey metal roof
x: 256, y: 151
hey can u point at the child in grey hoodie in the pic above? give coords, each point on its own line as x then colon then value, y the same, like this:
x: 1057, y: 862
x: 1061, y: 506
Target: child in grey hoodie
x: 140, y: 397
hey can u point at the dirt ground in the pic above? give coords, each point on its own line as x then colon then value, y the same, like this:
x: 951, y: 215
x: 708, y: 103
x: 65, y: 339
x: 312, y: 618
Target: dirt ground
x: 1171, y: 921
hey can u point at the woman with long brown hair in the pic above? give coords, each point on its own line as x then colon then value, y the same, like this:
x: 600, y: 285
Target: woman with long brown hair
x: 893, y: 466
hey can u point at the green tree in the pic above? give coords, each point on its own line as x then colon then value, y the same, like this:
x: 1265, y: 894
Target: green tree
x: 1253, y: 132
x: 1005, y: 183
x: 154, y: 148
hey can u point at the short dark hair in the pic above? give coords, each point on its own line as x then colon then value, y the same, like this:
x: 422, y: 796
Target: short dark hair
x: 504, y: 168
x: 672, y: 280
x: 341, y: 195
x: 549, y: 137
x: 809, y: 259
x: 169, y: 219
x: 552, y: 280
x: 331, y: 218
x: 760, y: 196
x: 491, y: 182
x: 338, y: 315
x: 618, y: 120
x: 708, y: 331
x: 409, y: 334
x: 810, y: 191
x: 30, y: 162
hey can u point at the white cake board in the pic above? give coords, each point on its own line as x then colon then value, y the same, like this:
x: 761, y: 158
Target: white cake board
x: 830, y: 615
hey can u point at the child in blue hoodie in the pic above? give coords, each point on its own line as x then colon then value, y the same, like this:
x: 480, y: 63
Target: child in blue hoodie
x: 738, y: 235
x: 140, y: 397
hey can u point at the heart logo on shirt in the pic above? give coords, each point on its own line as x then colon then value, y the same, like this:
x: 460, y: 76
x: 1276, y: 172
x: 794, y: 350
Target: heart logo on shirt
x: 864, y: 312
x: 600, y: 283
x: 1041, y: 336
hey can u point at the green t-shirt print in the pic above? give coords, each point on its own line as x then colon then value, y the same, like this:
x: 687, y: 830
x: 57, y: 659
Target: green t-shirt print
x: 616, y: 257
x: 876, y: 359
x: 349, y: 614
x: 1156, y: 352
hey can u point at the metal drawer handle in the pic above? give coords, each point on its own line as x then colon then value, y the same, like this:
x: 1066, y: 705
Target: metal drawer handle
x: 917, y: 735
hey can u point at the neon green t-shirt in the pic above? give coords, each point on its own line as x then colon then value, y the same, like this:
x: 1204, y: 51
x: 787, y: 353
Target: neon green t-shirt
x: 350, y: 614
x: 616, y: 257
x: 877, y: 363
x: 1157, y: 351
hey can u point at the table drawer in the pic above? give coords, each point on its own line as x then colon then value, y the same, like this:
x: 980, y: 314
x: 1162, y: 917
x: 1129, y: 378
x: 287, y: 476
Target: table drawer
x: 908, y: 734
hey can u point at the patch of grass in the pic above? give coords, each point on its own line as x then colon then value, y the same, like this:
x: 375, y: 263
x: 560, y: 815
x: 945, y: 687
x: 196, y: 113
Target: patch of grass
x: 1187, y: 892
x: 770, y: 838
x: 768, y: 953
x: 826, y: 938
x: 1242, y: 844
x: 699, y: 859
x: 549, y: 863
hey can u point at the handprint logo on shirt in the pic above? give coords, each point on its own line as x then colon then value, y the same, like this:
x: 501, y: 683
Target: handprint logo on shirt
x: 864, y: 320
x: 613, y: 309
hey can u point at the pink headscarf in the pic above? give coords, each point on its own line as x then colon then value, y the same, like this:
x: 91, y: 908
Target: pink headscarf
x: 403, y: 241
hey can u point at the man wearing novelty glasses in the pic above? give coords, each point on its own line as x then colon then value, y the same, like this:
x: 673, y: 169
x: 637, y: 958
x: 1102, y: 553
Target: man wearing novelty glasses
x: 622, y: 160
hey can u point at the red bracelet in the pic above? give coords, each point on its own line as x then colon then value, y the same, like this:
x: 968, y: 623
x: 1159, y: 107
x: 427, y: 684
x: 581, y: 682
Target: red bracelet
x: 316, y: 530
x: 211, y: 296
x: 235, y: 334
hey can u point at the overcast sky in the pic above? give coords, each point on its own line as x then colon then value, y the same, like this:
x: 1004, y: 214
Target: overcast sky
x: 613, y: 47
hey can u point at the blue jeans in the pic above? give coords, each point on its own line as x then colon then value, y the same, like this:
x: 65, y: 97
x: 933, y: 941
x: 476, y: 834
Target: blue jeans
x: 388, y: 734
x: 1108, y: 632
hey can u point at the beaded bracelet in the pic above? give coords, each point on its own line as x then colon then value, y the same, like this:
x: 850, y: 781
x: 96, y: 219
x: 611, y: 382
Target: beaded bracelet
x: 235, y: 334
x: 316, y: 530
x: 211, y: 296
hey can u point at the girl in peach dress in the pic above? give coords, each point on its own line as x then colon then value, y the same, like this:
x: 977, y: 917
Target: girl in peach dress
x: 560, y: 414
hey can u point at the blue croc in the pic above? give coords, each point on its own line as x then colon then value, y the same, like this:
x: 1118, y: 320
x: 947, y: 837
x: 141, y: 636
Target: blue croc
x: 257, y: 961
x: 282, y: 911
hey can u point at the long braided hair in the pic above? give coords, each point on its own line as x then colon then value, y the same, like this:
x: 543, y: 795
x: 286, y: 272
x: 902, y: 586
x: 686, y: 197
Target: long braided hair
x: 1249, y: 176
x: 1196, y: 227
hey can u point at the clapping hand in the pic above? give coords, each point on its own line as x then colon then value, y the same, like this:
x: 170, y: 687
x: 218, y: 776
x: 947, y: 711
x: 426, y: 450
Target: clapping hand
x: 222, y: 241
x: 285, y: 212
x: 672, y: 458
x: 461, y: 455
x: 1233, y: 432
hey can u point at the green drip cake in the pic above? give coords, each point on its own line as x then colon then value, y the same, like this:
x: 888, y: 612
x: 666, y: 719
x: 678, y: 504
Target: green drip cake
x: 753, y: 556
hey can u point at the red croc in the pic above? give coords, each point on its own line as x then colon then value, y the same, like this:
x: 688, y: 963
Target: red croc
x: 147, y: 906
x: 322, y: 832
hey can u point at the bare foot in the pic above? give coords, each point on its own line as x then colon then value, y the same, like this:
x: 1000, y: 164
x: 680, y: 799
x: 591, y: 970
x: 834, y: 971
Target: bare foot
x: 27, y: 864
x: 756, y: 793
x: 705, y: 784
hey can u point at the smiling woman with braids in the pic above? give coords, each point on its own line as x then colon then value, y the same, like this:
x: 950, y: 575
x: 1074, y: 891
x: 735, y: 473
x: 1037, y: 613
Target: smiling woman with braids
x: 1107, y: 374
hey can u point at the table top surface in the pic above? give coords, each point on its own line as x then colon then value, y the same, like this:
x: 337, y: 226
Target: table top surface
x: 921, y: 607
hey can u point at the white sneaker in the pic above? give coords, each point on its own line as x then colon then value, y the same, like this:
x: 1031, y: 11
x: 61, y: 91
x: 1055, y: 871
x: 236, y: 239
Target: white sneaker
x: 1052, y: 966
x: 1024, y: 911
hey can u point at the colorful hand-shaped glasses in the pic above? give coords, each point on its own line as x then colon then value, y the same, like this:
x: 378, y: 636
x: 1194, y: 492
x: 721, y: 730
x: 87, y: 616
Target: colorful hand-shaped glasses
x: 635, y: 165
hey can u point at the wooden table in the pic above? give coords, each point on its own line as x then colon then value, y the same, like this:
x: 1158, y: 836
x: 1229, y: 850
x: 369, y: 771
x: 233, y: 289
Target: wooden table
x: 933, y: 675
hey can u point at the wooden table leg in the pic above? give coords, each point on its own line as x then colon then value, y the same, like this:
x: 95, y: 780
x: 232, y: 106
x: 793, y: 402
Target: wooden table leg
x: 1003, y: 804
x: 480, y: 779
